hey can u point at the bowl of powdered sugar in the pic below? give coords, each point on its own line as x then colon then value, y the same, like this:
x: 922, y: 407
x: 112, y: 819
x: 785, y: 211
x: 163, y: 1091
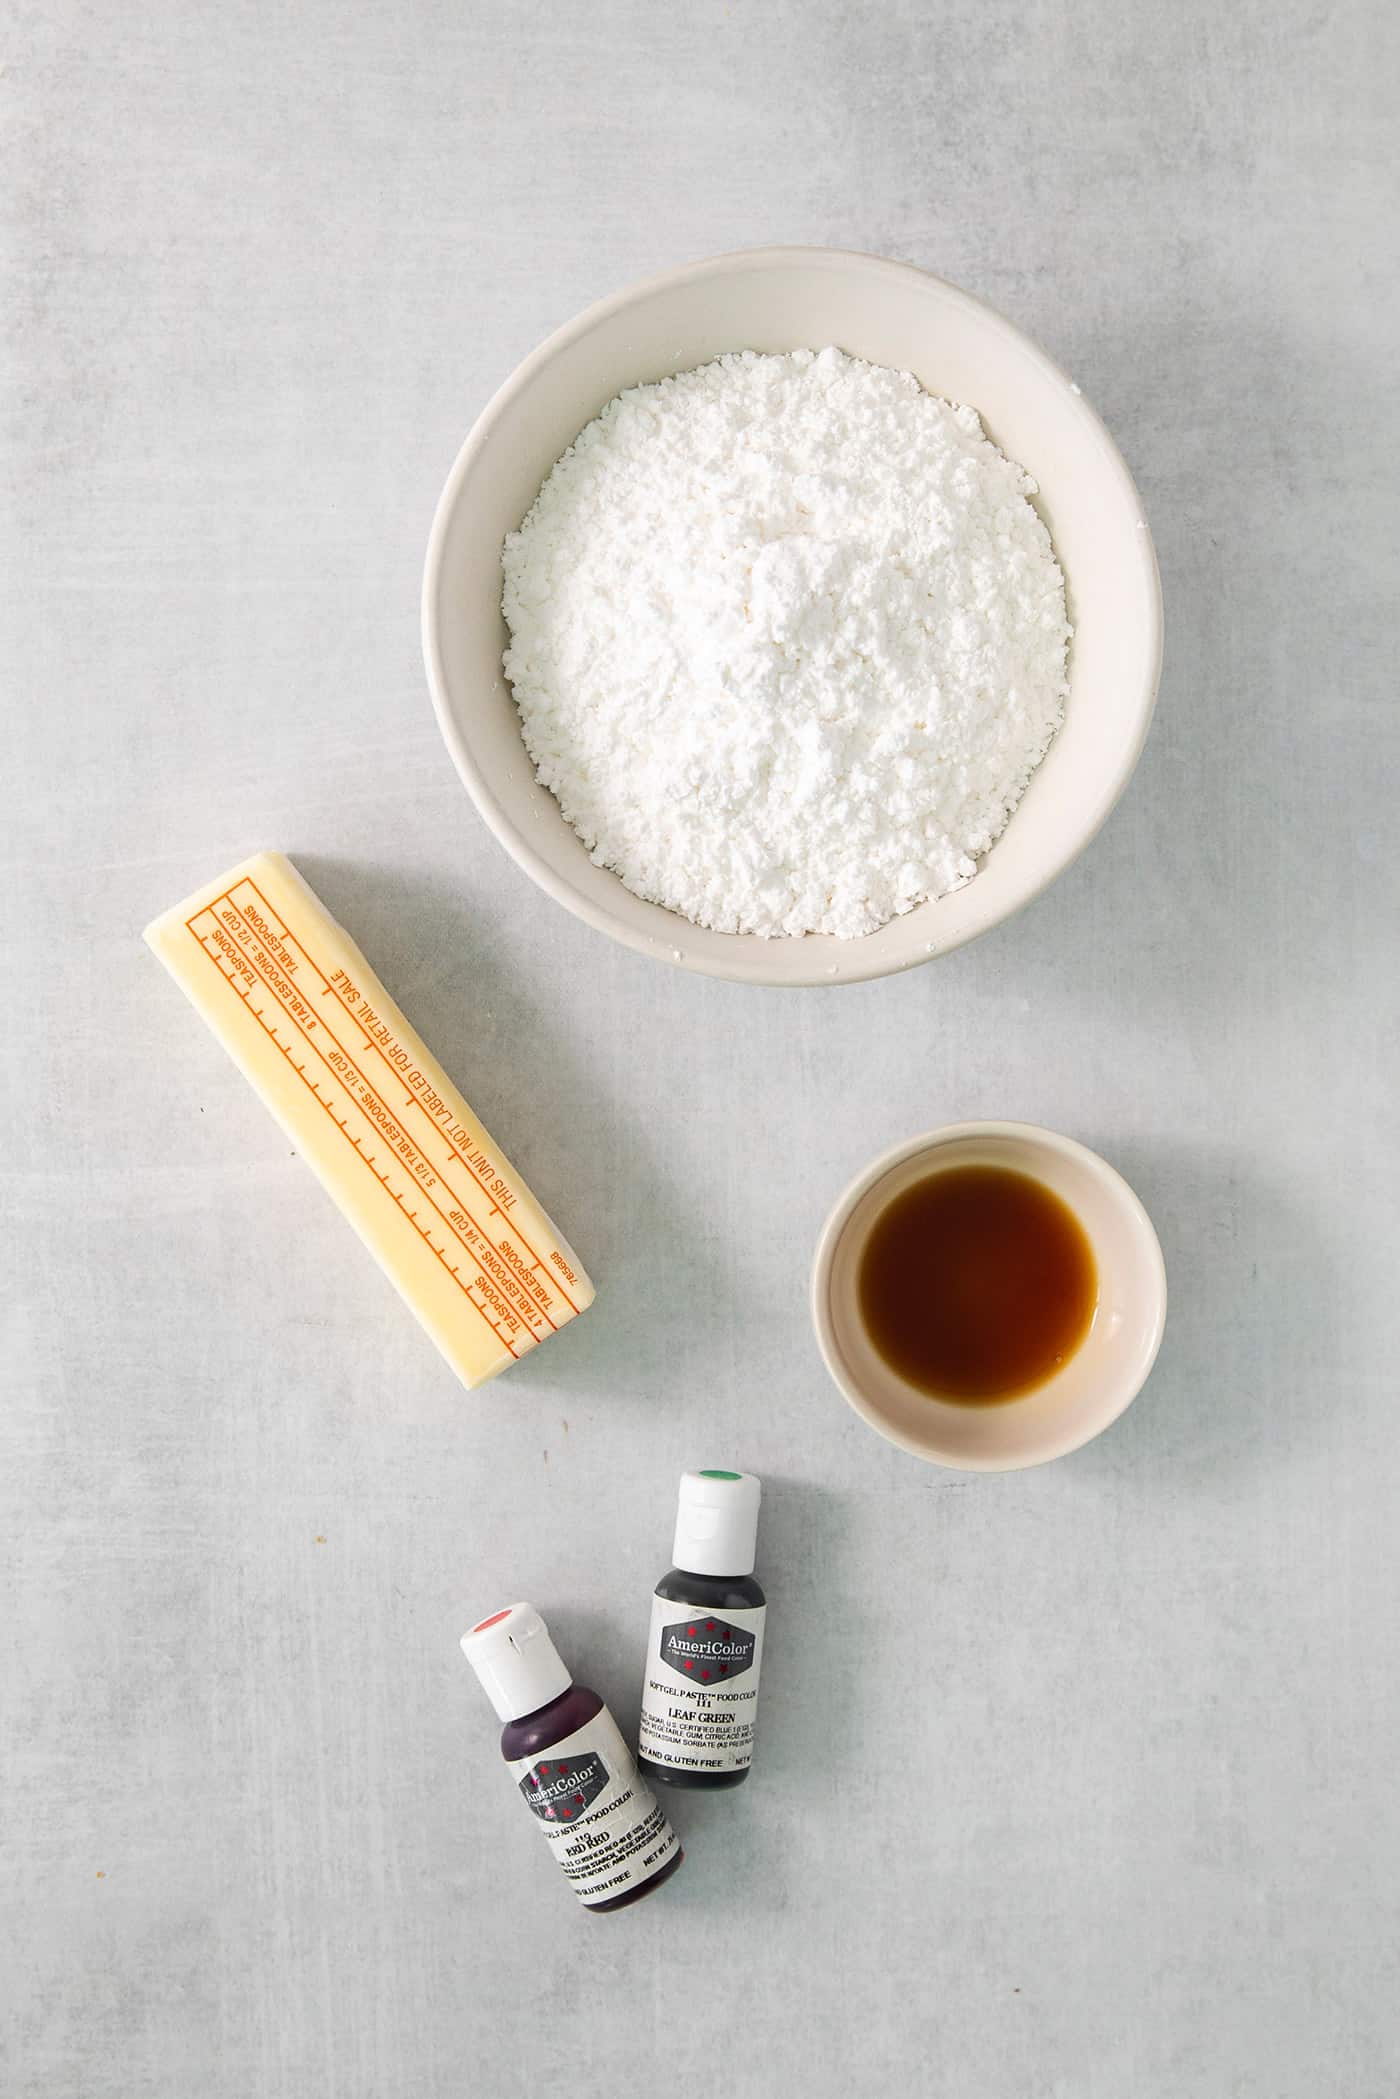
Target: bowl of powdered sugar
x: 791, y: 617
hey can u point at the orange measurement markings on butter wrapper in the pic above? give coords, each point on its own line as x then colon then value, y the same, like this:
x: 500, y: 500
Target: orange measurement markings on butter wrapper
x: 387, y: 1110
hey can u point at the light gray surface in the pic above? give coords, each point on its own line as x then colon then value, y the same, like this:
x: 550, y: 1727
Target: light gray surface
x: 1077, y: 1783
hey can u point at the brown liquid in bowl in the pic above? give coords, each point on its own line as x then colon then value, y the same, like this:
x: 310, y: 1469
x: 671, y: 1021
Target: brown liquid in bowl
x: 977, y: 1284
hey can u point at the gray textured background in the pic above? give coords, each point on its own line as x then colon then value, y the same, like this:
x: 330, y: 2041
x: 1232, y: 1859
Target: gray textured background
x: 1076, y: 1784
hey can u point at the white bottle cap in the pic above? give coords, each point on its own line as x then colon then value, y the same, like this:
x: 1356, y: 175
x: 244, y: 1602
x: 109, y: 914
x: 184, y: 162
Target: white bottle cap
x: 516, y: 1661
x: 716, y: 1523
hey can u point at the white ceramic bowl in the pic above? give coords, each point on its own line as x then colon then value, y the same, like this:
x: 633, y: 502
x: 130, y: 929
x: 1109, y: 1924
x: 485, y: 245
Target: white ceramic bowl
x: 785, y: 299
x: 1104, y: 1375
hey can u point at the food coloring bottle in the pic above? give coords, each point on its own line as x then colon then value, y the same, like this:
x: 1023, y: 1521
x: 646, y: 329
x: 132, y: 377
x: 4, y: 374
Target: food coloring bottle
x: 700, y: 1693
x: 574, y: 1772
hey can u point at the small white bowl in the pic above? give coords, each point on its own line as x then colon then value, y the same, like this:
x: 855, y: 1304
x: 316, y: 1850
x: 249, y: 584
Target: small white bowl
x: 779, y: 299
x: 1104, y: 1375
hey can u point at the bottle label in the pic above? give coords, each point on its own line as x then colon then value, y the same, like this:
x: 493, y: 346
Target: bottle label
x: 607, y: 1832
x: 700, y: 1698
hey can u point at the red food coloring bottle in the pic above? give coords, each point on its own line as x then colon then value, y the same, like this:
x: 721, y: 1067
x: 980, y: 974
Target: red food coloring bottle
x: 700, y: 1691
x: 601, y: 1819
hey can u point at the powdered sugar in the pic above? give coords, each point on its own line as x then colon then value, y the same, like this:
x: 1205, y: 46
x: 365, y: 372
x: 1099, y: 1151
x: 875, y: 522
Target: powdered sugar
x: 787, y: 641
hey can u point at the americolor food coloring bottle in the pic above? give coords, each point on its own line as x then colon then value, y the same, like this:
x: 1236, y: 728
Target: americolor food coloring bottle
x: 573, y: 1769
x: 700, y: 1693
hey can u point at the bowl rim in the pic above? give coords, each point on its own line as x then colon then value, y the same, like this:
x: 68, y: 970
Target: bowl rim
x: 839, y: 1216
x: 514, y: 839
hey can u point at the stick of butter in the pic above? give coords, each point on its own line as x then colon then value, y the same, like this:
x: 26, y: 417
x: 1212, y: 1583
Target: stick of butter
x: 315, y: 1033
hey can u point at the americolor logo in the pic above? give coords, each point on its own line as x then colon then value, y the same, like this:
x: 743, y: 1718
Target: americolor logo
x: 706, y: 1650
x: 564, y: 1788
